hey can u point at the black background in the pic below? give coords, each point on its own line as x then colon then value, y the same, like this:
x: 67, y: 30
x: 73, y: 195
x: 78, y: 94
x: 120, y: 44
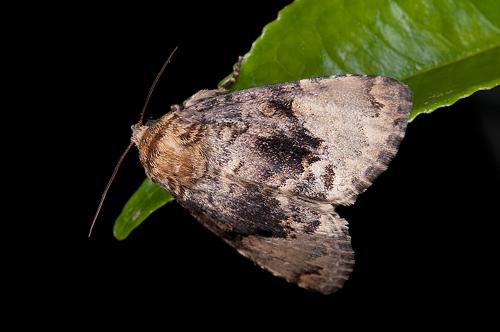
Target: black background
x: 423, y: 233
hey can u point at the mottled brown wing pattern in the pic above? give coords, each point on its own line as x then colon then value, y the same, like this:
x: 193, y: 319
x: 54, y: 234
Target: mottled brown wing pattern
x: 304, y: 242
x: 326, y: 139
x: 264, y: 168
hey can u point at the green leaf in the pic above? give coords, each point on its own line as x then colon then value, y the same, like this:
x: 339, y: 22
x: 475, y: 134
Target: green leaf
x: 444, y: 50
x: 148, y: 198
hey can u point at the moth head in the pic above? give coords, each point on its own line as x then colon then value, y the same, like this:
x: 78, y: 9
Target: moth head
x: 138, y: 131
x: 154, y: 142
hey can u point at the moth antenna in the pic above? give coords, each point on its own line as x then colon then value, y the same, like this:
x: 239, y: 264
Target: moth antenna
x: 124, y: 154
x: 152, y: 88
x: 110, y: 181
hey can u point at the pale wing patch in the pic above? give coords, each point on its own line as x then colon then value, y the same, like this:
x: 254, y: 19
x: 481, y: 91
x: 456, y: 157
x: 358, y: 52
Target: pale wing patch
x: 320, y: 261
x: 361, y: 121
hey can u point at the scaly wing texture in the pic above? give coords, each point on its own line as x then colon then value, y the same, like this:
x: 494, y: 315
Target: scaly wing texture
x: 325, y: 138
x: 304, y: 242
x: 278, y: 159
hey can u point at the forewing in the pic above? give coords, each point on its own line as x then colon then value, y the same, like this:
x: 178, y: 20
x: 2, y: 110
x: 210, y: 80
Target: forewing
x: 325, y: 139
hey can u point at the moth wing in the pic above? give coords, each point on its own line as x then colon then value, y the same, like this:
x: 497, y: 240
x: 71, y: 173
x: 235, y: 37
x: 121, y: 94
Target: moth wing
x: 362, y: 121
x: 325, y: 139
x: 272, y: 162
x: 305, y: 242
x: 317, y: 261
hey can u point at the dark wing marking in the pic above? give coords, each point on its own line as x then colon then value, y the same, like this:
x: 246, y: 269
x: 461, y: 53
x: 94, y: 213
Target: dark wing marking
x: 280, y: 158
x: 326, y: 139
x: 304, y: 242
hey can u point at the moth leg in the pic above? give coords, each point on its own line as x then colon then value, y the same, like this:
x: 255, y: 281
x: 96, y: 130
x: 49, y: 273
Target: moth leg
x: 204, y: 94
x: 234, y: 75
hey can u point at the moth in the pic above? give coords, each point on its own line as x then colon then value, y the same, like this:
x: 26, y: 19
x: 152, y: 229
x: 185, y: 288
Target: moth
x: 265, y: 168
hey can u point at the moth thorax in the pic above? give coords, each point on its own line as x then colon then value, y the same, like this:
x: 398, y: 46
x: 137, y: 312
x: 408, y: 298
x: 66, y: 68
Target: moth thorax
x: 167, y: 159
